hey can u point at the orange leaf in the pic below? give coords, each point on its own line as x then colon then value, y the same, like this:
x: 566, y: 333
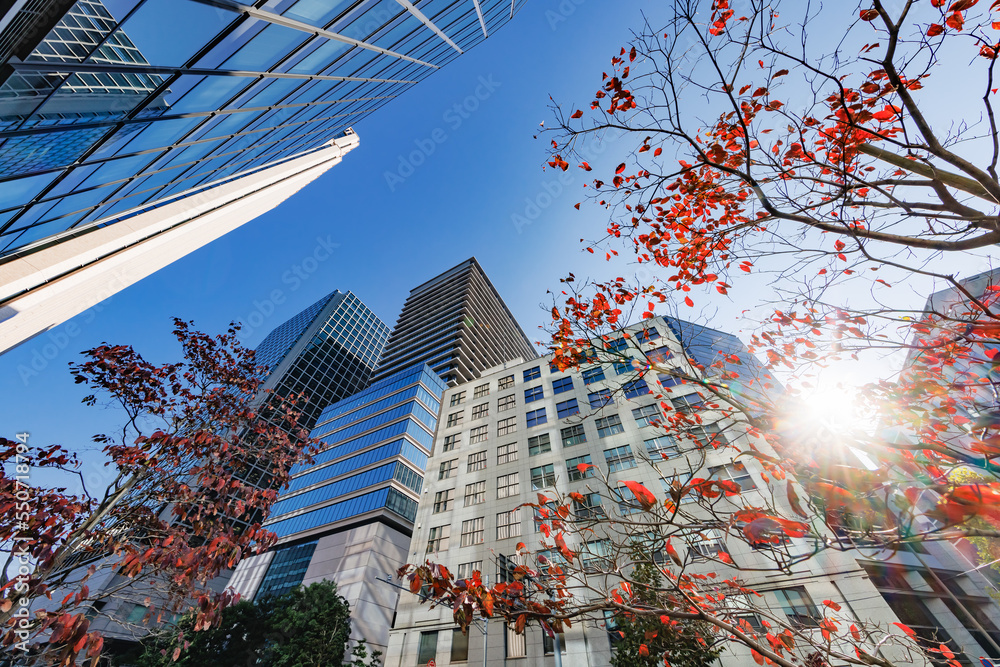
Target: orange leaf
x: 642, y: 494
x: 869, y: 14
x: 577, y: 114
x: 688, y: 301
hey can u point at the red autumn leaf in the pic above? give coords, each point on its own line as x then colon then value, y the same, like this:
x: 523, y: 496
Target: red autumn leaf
x: 832, y: 605
x: 869, y: 14
x: 906, y: 629
x: 688, y: 301
x: 642, y: 494
x: 955, y: 21
x: 961, y: 5
x: 577, y: 114
x: 643, y: 650
x: 620, y: 168
x: 935, y: 29
x: 584, y: 467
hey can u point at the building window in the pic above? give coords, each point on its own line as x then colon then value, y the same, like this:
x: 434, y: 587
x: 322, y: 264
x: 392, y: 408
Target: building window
x: 457, y: 398
x: 505, y: 426
x: 475, y: 493
x: 515, y: 645
x: 573, y: 435
x: 798, y: 606
x: 506, y: 403
x: 472, y: 532
x: 609, y: 426
x: 507, y: 453
x: 647, y: 415
x: 736, y: 472
x: 543, y: 476
x: 465, y: 570
x: 459, y: 646
x: 616, y: 345
x: 619, y: 458
x: 543, y: 514
x: 481, y: 390
x: 688, y: 402
x: 539, y: 444
x: 479, y: 434
x: 549, y: 645
x: 427, y: 650
x: 573, y: 471
x: 480, y: 411
x: 507, y: 485
x: 709, y: 435
x: 448, y: 469
x: 455, y: 418
x: 537, y: 417
x: 567, y: 408
x: 444, y: 501
x: 509, y: 524
x: 592, y: 375
x: 659, y: 355
x: 647, y: 335
x: 438, y: 539
x: 505, y: 383
x: 667, y: 381
x: 533, y: 394
x: 661, y: 447
x: 477, y: 461
x: 532, y: 373
x: 562, y: 384
x: 588, y: 507
x: 622, y: 367
x: 598, y: 399
x: 452, y: 441
x: 709, y: 544
x: 635, y: 388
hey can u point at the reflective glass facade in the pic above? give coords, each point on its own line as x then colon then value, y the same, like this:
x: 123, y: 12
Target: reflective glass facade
x: 125, y: 104
x: 375, y: 449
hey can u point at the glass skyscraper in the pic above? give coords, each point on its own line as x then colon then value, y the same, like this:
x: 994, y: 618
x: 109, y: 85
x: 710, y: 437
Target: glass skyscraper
x: 124, y: 108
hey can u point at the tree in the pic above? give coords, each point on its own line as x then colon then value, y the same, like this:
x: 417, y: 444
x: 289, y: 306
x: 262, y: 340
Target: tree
x: 181, y: 506
x: 750, y: 145
x: 308, y: 626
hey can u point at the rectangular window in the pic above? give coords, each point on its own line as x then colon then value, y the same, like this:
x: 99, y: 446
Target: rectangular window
x: 438, y: 539
x: 505, y: 426
x: 562, y: 384
x: 609, y: 426
x: 427, y: 650
x: 600, y: 398
x: 455, y: 418
x: 593, y: 375
x: 667, y: 381
x: 452, y: 441
x: 661, y: 447
x: 736, y: 472
x: 543, y: 476
x: 647, y: 415
x: 506, y: 403
x: 647, y: 335
x: 589, y: 507
x: 480, y: 411
x: 457, y: 398
x: 507, y: 485
x: 573, y: 435
x: 481, y: 390
x: 619, y: 458
x: 573, y: 470
x: 533, y: 394
x: 509, y: 524
x: 798, y: 606
x: 479, y: 434
x: 635, y: 388
x: 539, y: 444
x: 505, y: 383
x: 472, y: 532
x: 708, y: 544
x: 477, y: 461
x: 459, y: 646
x: 475, y: 493
x: 688, y: 402
x: 549, y: 644
x: 622, y: 367
x: 465, y: 570
x: 448, y: 469
x: 444, y: 501
x: 532, y: 373
x: 507, y: 453
x: 537, y: 417
x: 567, y: 408
x: 659, y: 355
x: 616, y: 345
x: 515, y: 645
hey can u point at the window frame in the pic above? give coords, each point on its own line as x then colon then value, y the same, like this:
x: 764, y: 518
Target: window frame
x: 476, y: 461
x: 508, y: 485
x: 509, y: 456
x: 542, y: 444
x: 616, y: 458
x: 536, y: 417
x: 477, y: 492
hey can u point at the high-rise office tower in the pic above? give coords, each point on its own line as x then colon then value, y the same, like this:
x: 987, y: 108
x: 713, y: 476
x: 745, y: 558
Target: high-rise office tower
x: 458, y: 324
x: 521, y: 431
x: 132, y: 133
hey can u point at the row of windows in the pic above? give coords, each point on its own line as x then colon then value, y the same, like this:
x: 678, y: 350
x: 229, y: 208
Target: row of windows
x: 479, y: 391
x: 508, y: 525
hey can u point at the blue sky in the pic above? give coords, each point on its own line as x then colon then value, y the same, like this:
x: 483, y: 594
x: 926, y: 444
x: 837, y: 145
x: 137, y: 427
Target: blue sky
x: 392, y: 232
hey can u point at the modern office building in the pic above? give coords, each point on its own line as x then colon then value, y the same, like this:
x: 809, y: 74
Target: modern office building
x: 135, y: 131
x: 348, y: 516
x: 458, y: 323
x: 523, y: 429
